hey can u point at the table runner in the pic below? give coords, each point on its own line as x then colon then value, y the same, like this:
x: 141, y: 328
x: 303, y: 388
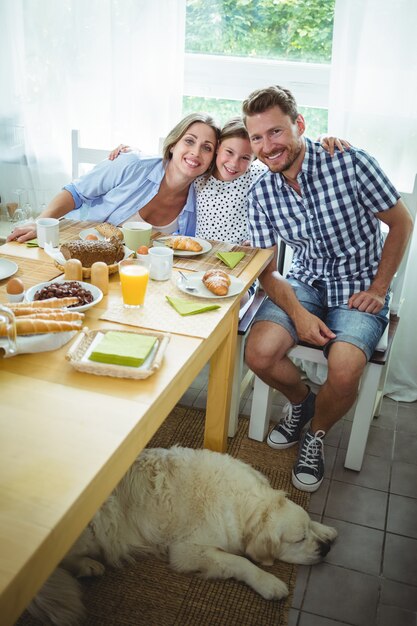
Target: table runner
x: 70, y: 229
x: 158, y: 314
x: 208, y: 261
x: 31, y: 273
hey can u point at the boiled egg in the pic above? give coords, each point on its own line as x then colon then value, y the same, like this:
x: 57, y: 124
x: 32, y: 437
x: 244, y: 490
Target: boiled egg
x: 15, y: 286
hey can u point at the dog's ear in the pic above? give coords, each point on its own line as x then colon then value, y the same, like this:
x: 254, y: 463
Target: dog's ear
x: 263, y: 538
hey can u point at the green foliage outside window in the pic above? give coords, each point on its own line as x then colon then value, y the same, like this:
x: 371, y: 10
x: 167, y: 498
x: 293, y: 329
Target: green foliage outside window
x: 294, y: 30
x: 223, y: 110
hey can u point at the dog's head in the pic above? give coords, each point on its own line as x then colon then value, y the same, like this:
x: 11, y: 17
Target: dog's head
x: 283, y: 530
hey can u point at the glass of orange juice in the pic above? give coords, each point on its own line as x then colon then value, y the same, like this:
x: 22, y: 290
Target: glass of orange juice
x: 134, y: 276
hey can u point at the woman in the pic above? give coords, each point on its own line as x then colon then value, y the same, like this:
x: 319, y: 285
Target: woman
x: 152, y: 189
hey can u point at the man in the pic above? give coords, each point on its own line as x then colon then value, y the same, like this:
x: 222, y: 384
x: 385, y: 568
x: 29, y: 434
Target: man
x: 328, y: 210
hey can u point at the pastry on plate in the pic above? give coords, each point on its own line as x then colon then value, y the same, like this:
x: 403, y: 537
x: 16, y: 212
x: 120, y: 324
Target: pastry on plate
x: 184, y: 243
x: 217, y: 281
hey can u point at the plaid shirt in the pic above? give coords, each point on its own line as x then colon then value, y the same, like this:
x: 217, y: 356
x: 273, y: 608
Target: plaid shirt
x: 331, y: 227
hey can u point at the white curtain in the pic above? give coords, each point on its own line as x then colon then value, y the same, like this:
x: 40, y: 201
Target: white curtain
x: 111, y: 68
x: 373, y: 103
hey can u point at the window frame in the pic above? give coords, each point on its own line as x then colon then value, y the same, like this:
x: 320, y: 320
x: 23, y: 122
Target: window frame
x: 233, y: 78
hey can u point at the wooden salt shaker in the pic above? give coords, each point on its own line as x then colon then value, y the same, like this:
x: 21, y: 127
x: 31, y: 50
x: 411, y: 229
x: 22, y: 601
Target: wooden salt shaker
x: 100, y: 276
x: 73, y: 270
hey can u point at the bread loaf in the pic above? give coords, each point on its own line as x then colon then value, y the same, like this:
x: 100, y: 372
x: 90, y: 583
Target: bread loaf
x: 217, y: 281
x: 88, y: 252
x: 183, y: 243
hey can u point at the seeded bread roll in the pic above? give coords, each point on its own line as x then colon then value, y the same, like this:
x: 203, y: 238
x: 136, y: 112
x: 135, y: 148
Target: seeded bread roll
x: 88, y: 252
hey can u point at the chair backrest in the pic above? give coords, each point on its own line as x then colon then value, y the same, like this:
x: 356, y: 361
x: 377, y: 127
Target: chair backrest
x: 410, y: 199
x: 84, y: 155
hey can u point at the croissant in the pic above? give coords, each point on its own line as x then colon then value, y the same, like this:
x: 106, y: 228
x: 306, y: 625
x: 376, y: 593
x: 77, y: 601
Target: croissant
x: 217, y: 281
x: 184, y: 243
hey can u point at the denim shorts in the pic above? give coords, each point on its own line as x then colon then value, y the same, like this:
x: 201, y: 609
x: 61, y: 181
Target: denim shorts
x: 363, y: 330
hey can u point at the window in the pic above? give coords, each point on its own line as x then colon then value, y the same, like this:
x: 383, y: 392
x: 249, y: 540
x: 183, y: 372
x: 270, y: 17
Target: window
x: 236, y: 46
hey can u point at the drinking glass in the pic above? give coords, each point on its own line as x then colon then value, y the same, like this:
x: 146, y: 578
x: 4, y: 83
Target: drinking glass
x: 134, y: 276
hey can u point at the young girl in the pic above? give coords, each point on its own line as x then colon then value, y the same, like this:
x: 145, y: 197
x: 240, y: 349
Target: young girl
x: 221, y: 197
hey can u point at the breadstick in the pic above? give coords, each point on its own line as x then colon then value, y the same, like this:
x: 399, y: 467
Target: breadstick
x: 51, y: 303
x: 35, y: 327
x: 27, y: 310
x: 54, y: 314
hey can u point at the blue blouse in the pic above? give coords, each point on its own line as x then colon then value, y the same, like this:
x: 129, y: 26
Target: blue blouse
x: 115, y: 190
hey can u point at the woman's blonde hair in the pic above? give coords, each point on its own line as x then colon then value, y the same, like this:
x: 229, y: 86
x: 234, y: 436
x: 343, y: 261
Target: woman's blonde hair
x: 181, y: 128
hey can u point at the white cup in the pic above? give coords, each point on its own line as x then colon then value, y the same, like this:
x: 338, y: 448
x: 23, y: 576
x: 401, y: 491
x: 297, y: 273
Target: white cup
x: 136, y: 234
x: 47, y: 231
x: 161, y: 263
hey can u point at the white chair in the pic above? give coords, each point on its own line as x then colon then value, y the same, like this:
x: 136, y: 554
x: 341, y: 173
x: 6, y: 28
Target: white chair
x: 90, y: 156
x: 371, y: 389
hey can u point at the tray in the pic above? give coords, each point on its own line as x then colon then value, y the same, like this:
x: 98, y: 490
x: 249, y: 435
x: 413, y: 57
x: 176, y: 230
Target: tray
x: 78, y: 354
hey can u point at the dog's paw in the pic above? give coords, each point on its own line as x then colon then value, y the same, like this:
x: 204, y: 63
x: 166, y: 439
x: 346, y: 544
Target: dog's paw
x: 272, y: 588
x: 90, y: 567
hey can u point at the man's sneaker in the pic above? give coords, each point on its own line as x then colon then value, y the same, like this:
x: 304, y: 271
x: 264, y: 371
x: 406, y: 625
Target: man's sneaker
x: 308, y: 470
x: 288, y: 432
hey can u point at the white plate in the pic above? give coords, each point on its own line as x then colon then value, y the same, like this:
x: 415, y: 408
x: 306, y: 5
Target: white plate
x: 194, y: 280
x: 7, y: 268
x: 97, y: 293
x: 205, y: 245
x: 91, y: 231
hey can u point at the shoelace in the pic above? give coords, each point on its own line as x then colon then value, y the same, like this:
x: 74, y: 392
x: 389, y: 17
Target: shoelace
x: 287, y: 423
x: 311, y: 452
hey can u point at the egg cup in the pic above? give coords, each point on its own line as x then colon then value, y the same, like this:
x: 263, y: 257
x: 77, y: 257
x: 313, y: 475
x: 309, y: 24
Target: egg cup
x: 15, y: 297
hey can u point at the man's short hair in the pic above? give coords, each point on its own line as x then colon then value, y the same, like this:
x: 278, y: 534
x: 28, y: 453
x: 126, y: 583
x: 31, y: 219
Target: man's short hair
x: 261, y: 100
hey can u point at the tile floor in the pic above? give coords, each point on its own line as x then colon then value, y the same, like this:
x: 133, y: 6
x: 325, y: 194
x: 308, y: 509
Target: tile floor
x: 369, y: 577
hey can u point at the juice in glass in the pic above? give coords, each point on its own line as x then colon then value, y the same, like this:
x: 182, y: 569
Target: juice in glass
x: 134, y: 277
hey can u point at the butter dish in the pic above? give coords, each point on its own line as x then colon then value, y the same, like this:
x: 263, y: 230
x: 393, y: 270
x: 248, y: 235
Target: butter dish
x: 90, y: 341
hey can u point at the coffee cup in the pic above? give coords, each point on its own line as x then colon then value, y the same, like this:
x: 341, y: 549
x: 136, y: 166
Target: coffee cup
x: 161, y: 263
x: 47, y: 231
x: 136, y: 234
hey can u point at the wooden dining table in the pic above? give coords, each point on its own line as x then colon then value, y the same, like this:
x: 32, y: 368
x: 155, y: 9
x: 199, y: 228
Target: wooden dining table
x: 68, y: 437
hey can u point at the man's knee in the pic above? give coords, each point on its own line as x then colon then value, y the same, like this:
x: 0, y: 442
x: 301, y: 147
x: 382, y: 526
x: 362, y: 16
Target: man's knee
x: 266, y: 344
x: 346, y: 365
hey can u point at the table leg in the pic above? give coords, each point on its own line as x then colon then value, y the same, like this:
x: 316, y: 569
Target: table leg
x: 220, y: 388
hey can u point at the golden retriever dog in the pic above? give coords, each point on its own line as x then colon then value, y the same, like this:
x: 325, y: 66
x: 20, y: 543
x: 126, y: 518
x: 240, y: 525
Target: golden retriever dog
x: 203, y: 512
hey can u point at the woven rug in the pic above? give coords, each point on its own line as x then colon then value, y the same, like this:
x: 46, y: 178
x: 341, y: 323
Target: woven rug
x: 148, y: 593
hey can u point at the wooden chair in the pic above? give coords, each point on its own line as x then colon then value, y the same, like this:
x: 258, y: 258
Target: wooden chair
x: 371, y: 389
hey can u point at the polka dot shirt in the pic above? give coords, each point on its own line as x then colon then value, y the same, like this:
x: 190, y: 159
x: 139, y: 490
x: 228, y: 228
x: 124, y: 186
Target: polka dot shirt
x: 222, y: 206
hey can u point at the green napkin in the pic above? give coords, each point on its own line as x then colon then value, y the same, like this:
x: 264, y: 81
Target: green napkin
x: 231, y: 259
x: 121, y: 348
x: 186, y: 307
x: 32, y: 243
